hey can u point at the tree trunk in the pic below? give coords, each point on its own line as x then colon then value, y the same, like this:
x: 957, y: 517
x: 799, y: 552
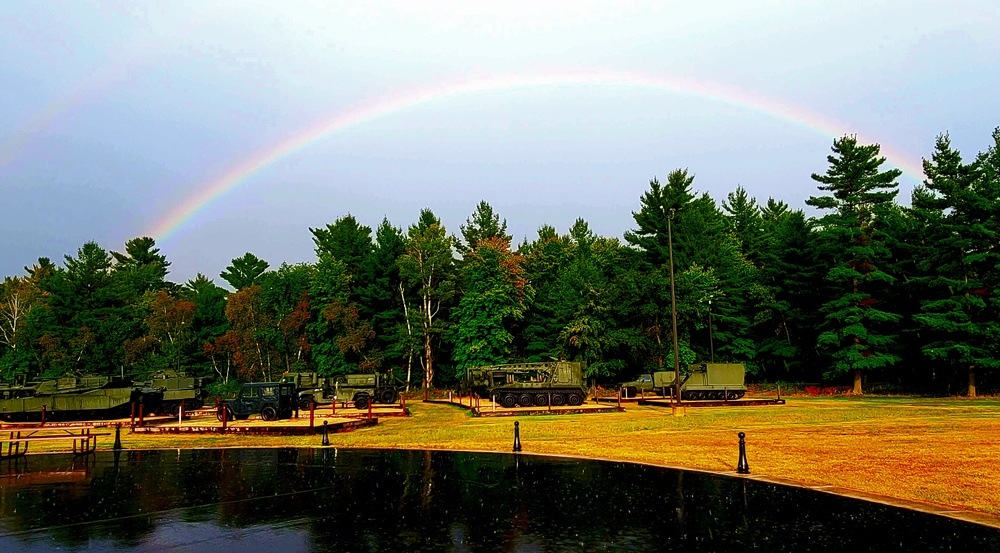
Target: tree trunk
x: 972, y: 381
x: 409, y: 334
x: 857, y: 382
x: 429, y: 355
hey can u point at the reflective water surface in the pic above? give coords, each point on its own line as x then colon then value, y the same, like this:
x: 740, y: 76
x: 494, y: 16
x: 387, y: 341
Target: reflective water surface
x: 286, y: 500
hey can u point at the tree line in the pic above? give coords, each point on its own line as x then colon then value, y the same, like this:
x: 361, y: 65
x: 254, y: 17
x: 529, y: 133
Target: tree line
x: 868, y: 291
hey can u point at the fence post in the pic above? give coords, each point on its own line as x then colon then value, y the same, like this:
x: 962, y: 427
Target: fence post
x: 312, y: 413
x: 326, y: 435
x: 118, y: 437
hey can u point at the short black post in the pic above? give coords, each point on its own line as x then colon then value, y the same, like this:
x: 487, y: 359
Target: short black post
x: 326, y: 433
x: 742, y: 467
x: 517, y: 437
x: 118, y: 437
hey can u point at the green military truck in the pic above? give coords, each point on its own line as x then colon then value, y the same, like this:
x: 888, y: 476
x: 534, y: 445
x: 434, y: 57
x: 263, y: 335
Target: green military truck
x: 359, y: 389
x: 699, y: 381
x: 526, y: 384
x: 272, y: 400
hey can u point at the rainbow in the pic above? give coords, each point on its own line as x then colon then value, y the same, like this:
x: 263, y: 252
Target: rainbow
x: 213, y: 190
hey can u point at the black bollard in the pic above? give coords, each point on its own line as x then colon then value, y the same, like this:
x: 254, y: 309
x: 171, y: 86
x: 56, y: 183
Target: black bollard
x: 742, y: 467
x: 326, y: 434
x: 118, y: 437
x: 517, y: 437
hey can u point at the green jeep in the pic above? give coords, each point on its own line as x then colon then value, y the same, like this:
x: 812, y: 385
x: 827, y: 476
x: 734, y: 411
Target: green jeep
x: 272, y: 400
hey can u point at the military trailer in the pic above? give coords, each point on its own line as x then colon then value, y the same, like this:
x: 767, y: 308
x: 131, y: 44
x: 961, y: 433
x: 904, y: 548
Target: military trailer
x: 272, y: 400
x: 526, y: 384
x: 700, y: 381
x: 75, y: 397
x: 177, y: 389
x: 359, y: 389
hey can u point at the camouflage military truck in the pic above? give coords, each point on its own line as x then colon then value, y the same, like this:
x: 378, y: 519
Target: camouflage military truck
x: 75, y: 397
x: 526, y: 384
x: 700, y: 381
x: 177, y: 388
x: 359, y: 389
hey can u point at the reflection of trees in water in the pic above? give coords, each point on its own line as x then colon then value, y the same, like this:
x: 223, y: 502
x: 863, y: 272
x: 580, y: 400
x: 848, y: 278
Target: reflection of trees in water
x: 358, y: 500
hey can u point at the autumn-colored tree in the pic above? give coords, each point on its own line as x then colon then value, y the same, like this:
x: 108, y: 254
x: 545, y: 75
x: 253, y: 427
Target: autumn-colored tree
x: 253, y: 357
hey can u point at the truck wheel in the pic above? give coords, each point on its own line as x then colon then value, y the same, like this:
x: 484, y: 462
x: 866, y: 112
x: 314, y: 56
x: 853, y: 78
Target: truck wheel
x: 525, y: 400
x: 558, y: 399
x: 269, y: 413
x: 229, y: 413
x: 388, y: 396
x: 575, y: 399
x: 542, y: 400
x: 361, y: 402
x: 508, y: 400
x: 305, y: 403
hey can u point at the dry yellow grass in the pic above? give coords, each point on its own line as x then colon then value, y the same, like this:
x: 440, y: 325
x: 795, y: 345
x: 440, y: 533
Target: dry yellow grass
x: 943, y: 452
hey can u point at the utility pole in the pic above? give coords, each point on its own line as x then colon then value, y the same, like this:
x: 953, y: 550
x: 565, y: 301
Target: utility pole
x: 673, y: 310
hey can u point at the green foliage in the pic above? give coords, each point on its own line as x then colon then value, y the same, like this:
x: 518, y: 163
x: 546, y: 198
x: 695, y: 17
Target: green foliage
x: 493, y: 299
x: 245, y: 271
x: 858, y: 332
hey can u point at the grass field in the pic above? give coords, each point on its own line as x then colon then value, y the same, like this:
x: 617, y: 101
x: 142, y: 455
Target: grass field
x: 942, y: 452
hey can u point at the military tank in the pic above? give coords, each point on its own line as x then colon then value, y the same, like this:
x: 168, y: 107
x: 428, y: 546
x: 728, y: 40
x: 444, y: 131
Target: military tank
x: 177, y: 388
x: 526, y: 384
x: 75, y: 397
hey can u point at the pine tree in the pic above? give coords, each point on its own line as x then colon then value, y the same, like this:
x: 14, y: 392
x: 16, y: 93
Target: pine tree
x: 957, y: 258
x: 858, y: 329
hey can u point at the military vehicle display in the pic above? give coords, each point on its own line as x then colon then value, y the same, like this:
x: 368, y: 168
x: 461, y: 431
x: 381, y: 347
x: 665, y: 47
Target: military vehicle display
x: 701, y: 381
x: 75, y: 397
x: 526, y: 384
x: 177, y: 388
x: 272, y: 400
x: 359, y: 389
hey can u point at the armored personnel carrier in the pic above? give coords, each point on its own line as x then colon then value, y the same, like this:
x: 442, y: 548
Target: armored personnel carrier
x: 75, y: 398
x: 526, y: 384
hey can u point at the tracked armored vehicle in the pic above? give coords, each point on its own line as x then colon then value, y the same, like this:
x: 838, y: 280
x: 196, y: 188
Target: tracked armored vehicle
x: 359, y: 389
x: 527, y: 384
x: 177, y: 389
x: 75, y: 398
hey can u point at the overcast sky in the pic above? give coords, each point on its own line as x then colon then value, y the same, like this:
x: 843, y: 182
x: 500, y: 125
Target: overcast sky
x: 115, y: 115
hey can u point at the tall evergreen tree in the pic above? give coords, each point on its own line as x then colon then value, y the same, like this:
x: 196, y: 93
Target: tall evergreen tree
x: 483, y: 224
x: 957, y: 259
x: 858, y: 331
x: 244, y: 271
